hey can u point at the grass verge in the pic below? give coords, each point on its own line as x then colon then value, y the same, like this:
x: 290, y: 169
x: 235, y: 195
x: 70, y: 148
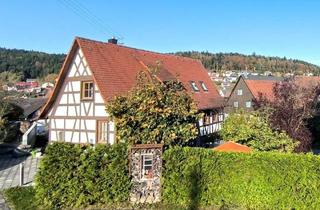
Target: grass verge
x: 21, y: 198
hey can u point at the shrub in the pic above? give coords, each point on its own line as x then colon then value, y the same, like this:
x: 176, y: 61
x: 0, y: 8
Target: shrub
x: 195, y: 177
x: 253, y: 130
x: 72, y: 175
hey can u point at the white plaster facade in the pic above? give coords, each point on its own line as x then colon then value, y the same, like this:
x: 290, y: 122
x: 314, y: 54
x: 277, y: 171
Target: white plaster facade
x: 71, y: 119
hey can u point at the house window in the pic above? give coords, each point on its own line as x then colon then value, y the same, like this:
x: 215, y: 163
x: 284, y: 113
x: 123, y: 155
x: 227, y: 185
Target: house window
x: 203, y: 86
x: 248, y: 104
x: 216, y: 118
x: 206, y: 120
x: 147, y: 166
x: 239, y: 92
x: 105, y: 132
x: 236, y: 104
x: 221, y: 116
x: 194, y: 86
x: 87, y: 90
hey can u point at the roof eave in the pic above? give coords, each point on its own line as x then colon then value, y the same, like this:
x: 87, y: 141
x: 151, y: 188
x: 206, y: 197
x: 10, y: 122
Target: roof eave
x: 60, y: 79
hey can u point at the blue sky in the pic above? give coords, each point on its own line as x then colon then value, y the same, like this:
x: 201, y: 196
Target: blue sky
x: 288, y: 28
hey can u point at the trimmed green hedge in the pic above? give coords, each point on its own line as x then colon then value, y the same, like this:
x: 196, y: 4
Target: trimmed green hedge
x: 196, y: 177
x: 71, y: 175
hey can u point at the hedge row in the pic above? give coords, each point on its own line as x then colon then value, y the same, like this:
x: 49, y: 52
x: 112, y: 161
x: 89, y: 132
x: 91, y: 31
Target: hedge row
x: 72, y: 175
x: 196, y: 177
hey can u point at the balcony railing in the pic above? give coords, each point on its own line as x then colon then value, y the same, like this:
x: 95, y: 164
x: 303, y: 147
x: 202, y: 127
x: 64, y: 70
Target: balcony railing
x: 209, y: 128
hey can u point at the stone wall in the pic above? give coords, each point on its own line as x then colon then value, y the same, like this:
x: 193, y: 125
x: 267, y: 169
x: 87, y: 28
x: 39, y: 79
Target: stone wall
x: 146, y: 185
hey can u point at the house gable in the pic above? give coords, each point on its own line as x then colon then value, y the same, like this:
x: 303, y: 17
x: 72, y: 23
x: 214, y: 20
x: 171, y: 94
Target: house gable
x: 242, y: 99
x: 72, y: 119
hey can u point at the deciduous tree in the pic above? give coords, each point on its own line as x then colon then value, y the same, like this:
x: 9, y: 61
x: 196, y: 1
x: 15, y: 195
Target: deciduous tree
x: 154, y: 112
x: 290, y: 110
x: 7, y: 130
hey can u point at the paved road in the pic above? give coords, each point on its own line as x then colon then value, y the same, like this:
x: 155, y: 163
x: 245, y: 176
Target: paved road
x: 3, y: 205
x: 10, y: 169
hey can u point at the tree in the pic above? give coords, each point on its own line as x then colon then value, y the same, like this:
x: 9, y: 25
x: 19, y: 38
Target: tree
x: 154, y: 112
x: 291, y: 109
x: 253, y: 130
x: 51, y: 78
x: 29, y: 64
x: 235, y: 61
x: 8, y: 131
x: 7, y: 77
x: 5, y: 106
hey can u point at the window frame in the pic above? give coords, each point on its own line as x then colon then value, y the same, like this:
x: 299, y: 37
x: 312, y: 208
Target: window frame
x: 194, y: 86
x: 239, y: 92
x: 99, y: 140
x: 83, y: 91
x: 207, y: 119
x: 203, y: 86
x: 234, y: 104
x: 142, y: 169
x: 247, y: 104
x: 221, y: 117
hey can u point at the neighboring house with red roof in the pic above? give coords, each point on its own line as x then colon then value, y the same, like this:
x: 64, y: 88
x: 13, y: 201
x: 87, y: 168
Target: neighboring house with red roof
x: 247, y: 89
x: 95, y: 72
x: 28, y: 86
x: 231, y: 146
x: 307, y: 81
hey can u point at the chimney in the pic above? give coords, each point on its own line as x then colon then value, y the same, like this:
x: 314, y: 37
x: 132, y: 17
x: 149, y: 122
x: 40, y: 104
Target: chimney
x: 113, y: 40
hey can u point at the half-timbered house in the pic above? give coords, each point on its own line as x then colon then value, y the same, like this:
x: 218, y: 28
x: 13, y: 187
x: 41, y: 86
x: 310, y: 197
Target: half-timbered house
x: 94, y: 72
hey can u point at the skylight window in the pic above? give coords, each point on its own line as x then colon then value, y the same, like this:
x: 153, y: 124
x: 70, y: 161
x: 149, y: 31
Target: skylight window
x: 203, y: 86
x: 194, y: 86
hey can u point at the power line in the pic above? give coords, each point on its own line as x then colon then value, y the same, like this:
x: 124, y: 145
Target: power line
x: 98, y: 20
x: 81, y: 15
x: 84, y: 13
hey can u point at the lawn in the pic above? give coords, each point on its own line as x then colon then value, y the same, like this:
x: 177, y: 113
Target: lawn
x: 21, y: 198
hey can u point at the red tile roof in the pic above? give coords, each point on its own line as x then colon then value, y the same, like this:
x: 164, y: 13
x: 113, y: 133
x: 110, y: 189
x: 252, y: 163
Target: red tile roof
x: 115, y: 69
x: 264, y: 87
x: 307, y: 82
x: 232, y: 147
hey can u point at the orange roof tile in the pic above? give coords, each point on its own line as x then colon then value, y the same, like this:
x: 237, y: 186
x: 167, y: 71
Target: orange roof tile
x: 307, y: 82
x: 264, y: 87
x: 232, y: 147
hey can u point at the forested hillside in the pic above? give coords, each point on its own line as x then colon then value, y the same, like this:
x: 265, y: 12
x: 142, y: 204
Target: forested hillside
x: 16, y: 65
x: 234, y: 61
x: 29, y: 64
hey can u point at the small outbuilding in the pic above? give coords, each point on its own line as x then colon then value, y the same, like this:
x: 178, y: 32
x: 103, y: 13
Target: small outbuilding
x: 231, y: 146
